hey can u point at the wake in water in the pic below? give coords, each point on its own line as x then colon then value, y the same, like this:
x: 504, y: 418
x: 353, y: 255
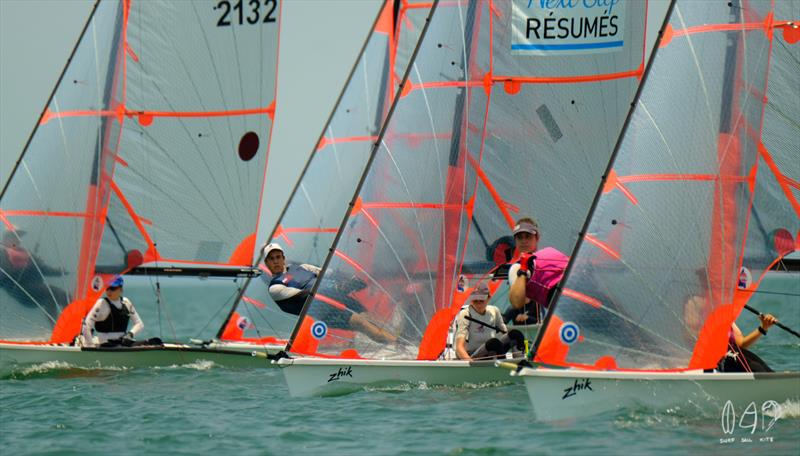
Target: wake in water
x: 423, y: 386
x: 61, y: 369
x: 58, y: 369
x: 199, y: 365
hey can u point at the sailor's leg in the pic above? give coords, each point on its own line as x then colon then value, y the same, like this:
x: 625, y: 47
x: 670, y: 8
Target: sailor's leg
x: 491, y: 348
x: 755, y: 362
x: 361, y: 323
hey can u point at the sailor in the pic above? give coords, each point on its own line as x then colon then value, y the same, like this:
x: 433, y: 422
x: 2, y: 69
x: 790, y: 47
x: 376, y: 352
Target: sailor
x: 739, y: 358
x: 109, y: 319
x: 525, y: 239
x: 480, y: 330
x: 542, y: 269
x: 291, y: 284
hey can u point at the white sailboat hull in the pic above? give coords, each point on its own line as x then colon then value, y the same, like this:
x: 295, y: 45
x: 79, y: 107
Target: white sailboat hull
x: 325, y: 377
x: 570, y: 393
x: 15, y: 356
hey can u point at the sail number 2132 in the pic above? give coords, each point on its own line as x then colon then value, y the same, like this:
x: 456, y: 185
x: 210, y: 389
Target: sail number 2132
x: 246, y: 12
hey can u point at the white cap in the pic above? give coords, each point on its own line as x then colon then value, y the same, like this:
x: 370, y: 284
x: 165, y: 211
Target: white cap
x: 527, y: 227
x: 481, y: 292
x: 271, y: 247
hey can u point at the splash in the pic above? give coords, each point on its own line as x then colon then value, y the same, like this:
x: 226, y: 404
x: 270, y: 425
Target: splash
x: 788, y: 409
x: 58, y: 368
x: 199, y: 365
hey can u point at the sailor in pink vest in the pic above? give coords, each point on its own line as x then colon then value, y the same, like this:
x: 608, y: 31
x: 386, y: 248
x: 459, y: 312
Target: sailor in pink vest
x: 542, y: 269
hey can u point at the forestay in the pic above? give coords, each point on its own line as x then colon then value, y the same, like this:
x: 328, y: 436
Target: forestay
x: 481, y: 134
x: 152, y: 149
x: 701, y: 200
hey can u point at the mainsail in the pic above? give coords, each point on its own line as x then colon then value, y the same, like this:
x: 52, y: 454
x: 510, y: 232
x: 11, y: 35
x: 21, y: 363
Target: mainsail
x: 702, y: 198
x: 309, y: 222
x: 488, y: 127
x: 152, y: 150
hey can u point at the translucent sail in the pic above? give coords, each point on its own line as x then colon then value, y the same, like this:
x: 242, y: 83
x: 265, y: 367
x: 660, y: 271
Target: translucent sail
x: 692, y: 197
x: 481, y: 135
x: 309, y: 223
x: 152, y: 149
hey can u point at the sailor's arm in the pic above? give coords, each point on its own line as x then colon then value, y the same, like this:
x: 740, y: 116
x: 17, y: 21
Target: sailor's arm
x: 516, y: 294
x: 462, y: 332
x: 280, y: 292
x: 99, y: 312
x: 748, y: 340
x: 311, y: 268
x: 461, y: 348
x: 138, y: 324
x: 499, y: 322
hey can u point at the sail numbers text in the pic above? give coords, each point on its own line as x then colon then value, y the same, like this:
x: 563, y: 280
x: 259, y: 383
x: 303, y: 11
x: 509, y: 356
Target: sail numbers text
x: 246, y: 11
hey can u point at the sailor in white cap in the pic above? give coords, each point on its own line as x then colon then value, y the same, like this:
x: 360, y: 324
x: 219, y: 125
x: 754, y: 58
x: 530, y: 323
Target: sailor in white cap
x: 291, y: 284
x: 480, y: 331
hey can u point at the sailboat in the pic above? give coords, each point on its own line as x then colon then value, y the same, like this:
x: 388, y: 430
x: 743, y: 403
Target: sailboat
x: 149, y: 158
x: 703, y: 193
x: 482, y: 127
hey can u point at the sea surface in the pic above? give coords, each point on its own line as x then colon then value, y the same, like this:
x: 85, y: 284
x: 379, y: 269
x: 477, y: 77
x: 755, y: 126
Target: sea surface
x: 202, y: 408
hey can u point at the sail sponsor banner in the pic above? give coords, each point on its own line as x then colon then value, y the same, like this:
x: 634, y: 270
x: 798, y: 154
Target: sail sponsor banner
x: 567, y: 27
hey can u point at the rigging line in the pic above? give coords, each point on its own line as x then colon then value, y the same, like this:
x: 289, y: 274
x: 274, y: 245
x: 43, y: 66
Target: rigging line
x: 599, y: 192
x: 776, y: 293
x: 480, y: 232
x: 310, y: 203
x: 364, y: 173
x: 335, y: 156
x: 398, y: 305
x: 695, y: 221
x: 157, y: 292
x: 39, y: 270
x: 459, y: 150
x: 419, y: 230
x: 697, y: 67
x: 380, y: 287
x: 621, y: 348
x: 214, y: 315
x: 21, y: 317
x: 49, y: 100
x: 429, y: 112
x: 115, y: 234
x: 259, y: 313
x: 442, y: 179
x: 47, y: 314
x: 258, y: 332
x: 311, y: 157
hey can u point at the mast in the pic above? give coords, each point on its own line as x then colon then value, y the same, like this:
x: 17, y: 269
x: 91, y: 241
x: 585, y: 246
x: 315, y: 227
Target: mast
x: 554, y: 301
x: 370, y: 160
x: 454, y: 185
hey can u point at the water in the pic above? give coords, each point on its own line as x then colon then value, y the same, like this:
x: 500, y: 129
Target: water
x: 203, y: 408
